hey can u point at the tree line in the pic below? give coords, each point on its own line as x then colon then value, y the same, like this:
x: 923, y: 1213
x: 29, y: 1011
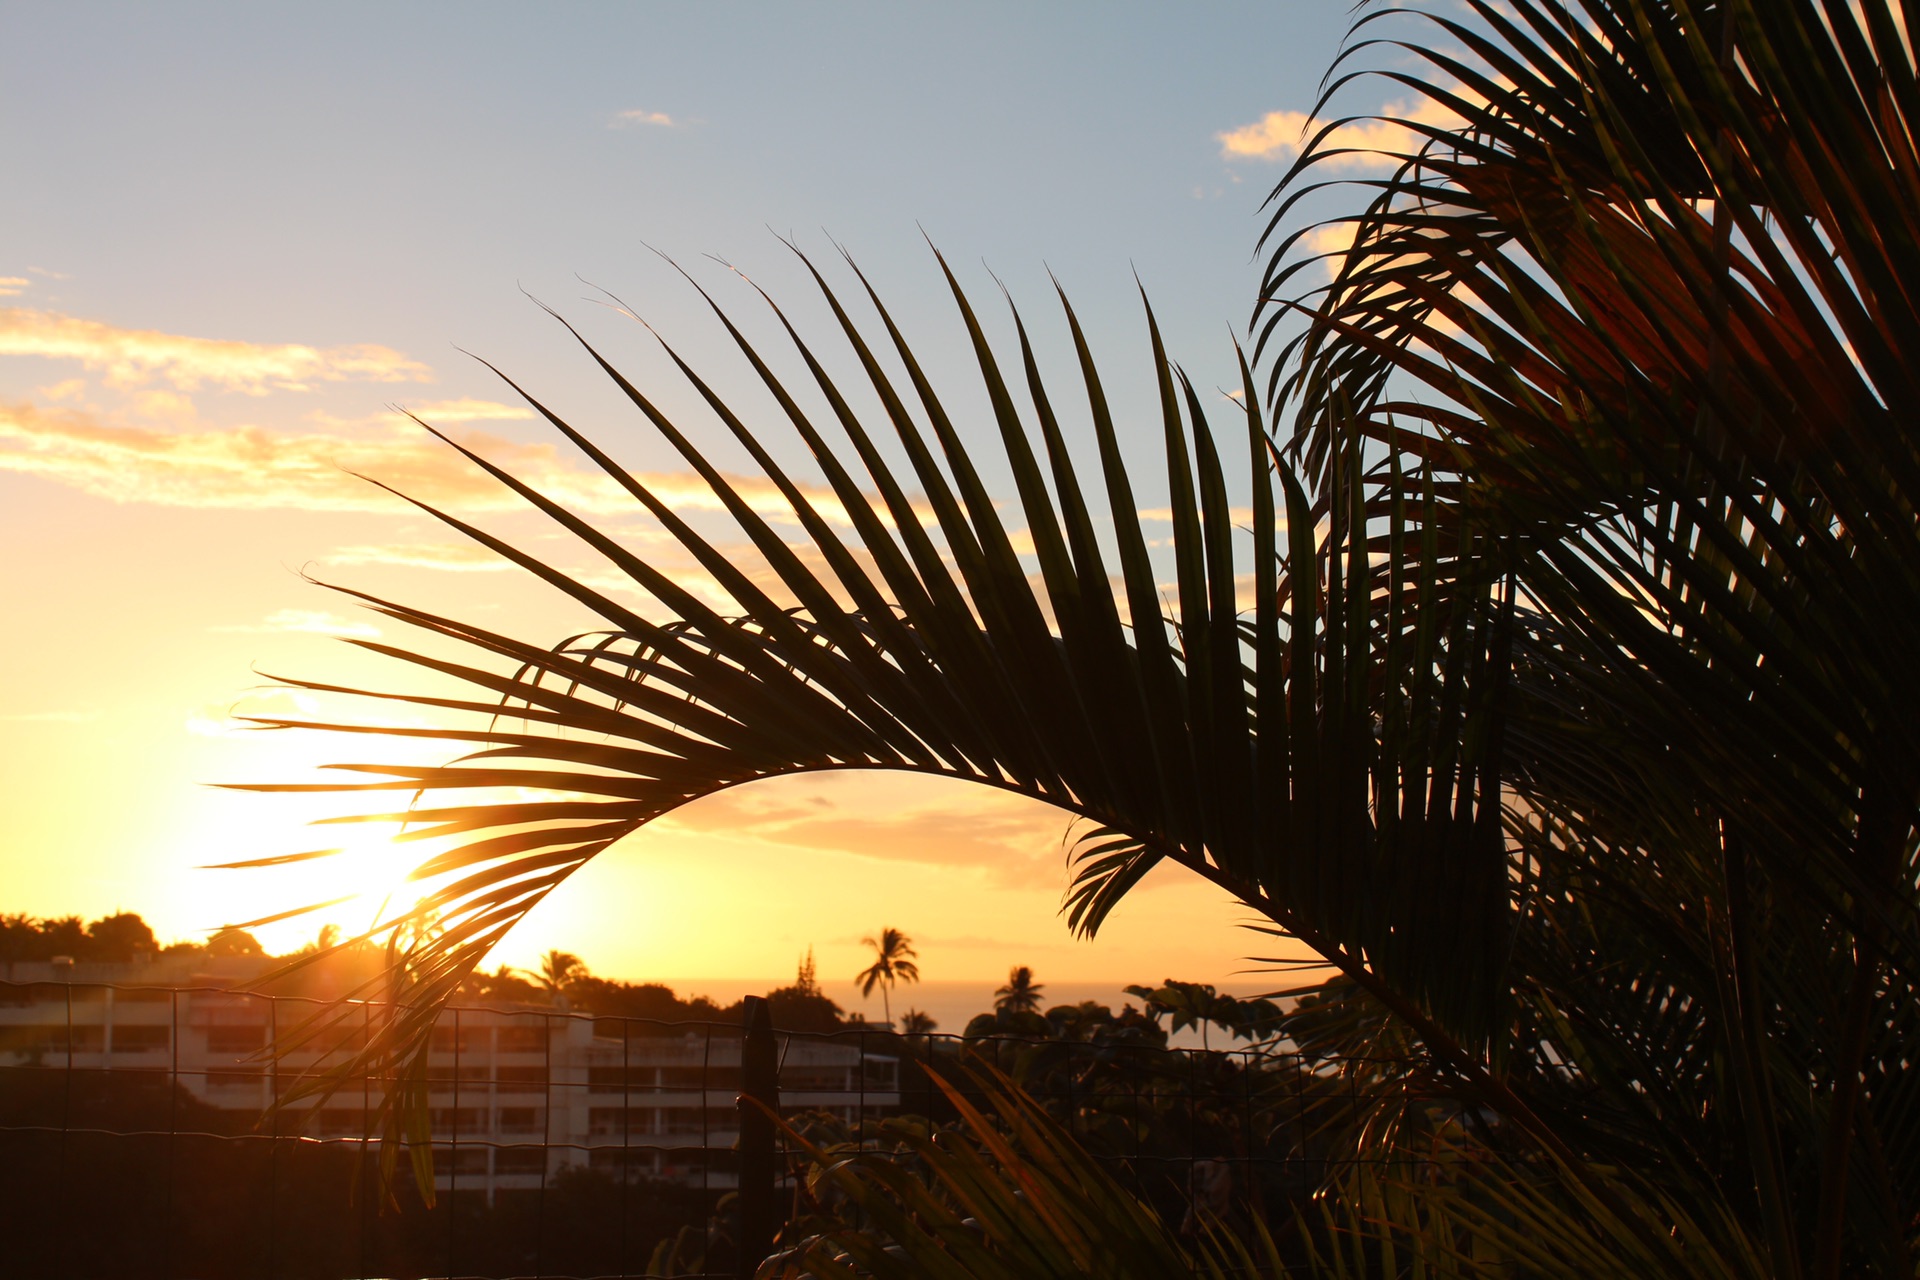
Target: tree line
x: 800, y: 1007
x: 119, y: 938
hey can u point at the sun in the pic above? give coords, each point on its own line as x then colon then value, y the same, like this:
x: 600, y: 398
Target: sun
x: 362, y: 881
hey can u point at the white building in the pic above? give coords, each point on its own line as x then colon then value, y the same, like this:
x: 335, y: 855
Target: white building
x: 517, y: 1093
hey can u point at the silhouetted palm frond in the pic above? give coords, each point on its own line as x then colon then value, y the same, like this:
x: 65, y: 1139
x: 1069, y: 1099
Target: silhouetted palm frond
x: 1646, y: 310
x: 1329, y: 758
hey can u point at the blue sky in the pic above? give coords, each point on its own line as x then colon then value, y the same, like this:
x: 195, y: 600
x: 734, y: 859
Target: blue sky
x: 232, y: 235
x: 392, y: 174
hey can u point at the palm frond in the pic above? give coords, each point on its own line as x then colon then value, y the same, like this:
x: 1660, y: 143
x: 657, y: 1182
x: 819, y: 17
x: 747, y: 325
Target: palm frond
x: 1290, y: 767
x: 1645, y: 312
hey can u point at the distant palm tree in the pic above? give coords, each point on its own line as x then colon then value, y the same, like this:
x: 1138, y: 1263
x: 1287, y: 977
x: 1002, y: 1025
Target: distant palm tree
x: 893, y: 962
x: 1021, y: 994
x: 915, y: 1023
x: 417, y: 931
x: 558, y: 971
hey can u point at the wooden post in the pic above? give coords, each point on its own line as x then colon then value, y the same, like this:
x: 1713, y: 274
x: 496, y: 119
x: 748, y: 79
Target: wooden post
x: 759, y: 1083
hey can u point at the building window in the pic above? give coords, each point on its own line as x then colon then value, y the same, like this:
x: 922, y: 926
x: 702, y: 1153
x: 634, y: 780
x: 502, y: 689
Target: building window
x: 461, y: 1161
x: 32, y: 1039
x: 520, y: 1119
x: 521, y: 1079
x: 605, y: 1122
x: 340, y: 1038
x: 236, y: 1039
x: 441, y: 1074
x: 457, y: 1119
x: 717, y: 1076
x: 140, y: 1039
x: 470, y: 1040
x: 614, y: 1162
x: 335, y: 1122
x: 523, y: 1039
x: 688, y: 1120
x: 519, y: 1160
x: 608, y: 1079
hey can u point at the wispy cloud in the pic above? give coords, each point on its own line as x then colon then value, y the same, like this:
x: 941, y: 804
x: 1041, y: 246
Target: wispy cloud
x: 221, y: 720
x: 455, y: 557
x: 1331, y: 243
x: 628, y: 119
x: 467, y: 409
x: 312, y: 621
x: 1164, y: 515
x: 435, y: 413
x: 1014, y: 843
x: 257, y: 468
x: 10, y: 286
x: 975, y: 942
x: 1366, y: 143
x: 129, y: 357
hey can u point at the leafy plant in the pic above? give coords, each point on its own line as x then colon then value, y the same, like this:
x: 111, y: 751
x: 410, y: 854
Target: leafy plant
x: 980, y: 1200
x: 1197, y: 1004
x: 1008, y: 1192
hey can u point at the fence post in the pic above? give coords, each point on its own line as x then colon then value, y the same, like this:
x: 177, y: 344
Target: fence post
x: 759, y: 1083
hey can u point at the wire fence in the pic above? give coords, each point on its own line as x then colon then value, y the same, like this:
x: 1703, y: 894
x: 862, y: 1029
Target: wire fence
x: 138, y: 1135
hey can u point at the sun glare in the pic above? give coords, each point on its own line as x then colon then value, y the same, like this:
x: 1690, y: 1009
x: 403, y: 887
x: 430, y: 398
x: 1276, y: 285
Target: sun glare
x: 362, y: 883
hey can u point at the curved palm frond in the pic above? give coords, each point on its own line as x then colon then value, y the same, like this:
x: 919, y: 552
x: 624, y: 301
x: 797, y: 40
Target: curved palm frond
x: 1331, y: 758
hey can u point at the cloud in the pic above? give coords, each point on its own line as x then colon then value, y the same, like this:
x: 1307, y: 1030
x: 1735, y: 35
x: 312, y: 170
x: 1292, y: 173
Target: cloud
x: 10, y: 286
x: 312, y: 621
x: 1366, y: 143
x: 221, y: 720
x: 1014, y: 843
x: 468, y: 410
x: 1330, y: 242
x: 51, y: 717
x: 45, y: 274
x: 435, y: 413
x: 978, y: 942
x: 1164, y: 515
x: 130, y: 357
x: 627, y: 119
x: 255, y: 468
x: 456, y: 557
x: 1016, y: 849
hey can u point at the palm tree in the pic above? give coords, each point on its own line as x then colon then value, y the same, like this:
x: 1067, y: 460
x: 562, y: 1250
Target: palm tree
x: 1021, y: 994
x: 915, y: 1023
x: 558, y: 971
x: 893, y: 957
x: 1573, y: 724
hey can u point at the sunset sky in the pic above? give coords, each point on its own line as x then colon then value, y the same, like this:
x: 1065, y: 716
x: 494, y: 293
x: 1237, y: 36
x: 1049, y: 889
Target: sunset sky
x: 234, y: 239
